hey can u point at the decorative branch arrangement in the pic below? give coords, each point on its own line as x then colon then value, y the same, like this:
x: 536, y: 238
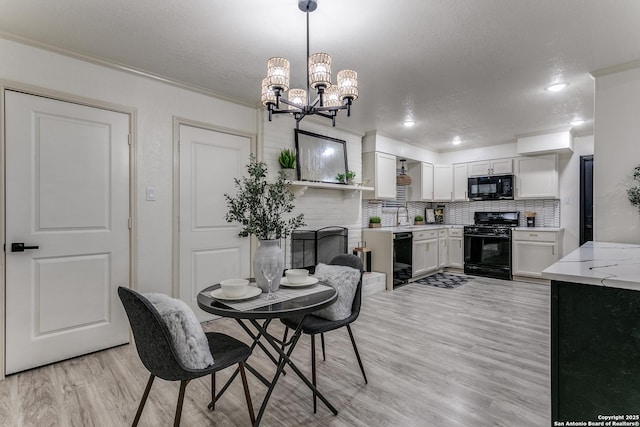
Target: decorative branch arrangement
x: 634, y: 192
x: 260, y: 207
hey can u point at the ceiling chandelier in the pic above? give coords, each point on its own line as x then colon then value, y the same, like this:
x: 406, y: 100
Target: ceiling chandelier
x: 329, y: 98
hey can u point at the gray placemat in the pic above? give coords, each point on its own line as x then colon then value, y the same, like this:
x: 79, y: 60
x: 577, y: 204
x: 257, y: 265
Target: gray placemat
x: 282, y: 294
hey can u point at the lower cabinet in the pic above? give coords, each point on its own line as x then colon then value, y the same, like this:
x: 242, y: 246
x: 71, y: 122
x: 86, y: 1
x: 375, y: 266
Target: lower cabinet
x: 533, y: 251
x: 425, y: 252
x: 443, y: 252
x: 455, y: 243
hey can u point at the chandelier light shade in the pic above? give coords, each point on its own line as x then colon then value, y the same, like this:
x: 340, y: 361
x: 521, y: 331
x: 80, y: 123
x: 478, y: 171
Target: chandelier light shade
x: 332, y: 96
x: 267, y: 94
x: 329, y: 98
x: 319, y: 70
x: 297, y: 98
x: 278, y: 74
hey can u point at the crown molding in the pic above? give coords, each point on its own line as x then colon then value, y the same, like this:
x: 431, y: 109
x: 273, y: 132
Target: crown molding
x: 616, y: 68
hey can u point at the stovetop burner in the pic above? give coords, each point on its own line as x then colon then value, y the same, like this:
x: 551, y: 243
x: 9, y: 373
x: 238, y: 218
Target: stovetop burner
x: 493, y: 224
x: 497, y: 219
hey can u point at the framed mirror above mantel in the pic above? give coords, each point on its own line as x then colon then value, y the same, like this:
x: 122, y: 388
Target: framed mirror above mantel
x: 320, y: 158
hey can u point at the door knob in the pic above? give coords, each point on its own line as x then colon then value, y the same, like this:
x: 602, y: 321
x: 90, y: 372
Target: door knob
x: 20, y: 247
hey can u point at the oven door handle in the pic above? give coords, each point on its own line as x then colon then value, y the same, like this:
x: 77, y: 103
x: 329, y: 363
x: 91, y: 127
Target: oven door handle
x: 488, y: 235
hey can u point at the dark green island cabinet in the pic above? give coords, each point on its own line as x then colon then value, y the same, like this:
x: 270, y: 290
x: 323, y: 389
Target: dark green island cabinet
x: 595, y: 336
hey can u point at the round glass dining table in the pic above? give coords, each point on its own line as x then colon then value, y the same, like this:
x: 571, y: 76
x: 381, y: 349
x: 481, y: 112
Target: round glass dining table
x: 298, y: 306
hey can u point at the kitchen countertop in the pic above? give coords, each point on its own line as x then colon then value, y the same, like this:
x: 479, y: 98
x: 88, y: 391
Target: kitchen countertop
x: 406, y: 228
x: 538, y: 229
x: 615, y: 265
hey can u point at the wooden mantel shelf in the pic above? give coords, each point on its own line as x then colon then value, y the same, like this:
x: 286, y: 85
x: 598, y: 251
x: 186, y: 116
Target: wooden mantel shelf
x: 300, y: 187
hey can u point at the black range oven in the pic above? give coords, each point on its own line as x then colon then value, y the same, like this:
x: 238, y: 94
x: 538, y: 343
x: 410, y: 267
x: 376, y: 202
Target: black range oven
x: 487, y: 244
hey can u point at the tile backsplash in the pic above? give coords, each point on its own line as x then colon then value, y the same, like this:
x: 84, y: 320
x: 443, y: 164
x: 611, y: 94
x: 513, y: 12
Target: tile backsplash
x: 461, y: 213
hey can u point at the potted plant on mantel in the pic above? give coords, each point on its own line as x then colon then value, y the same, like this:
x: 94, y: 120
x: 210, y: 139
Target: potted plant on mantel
x: 287, y: 160
x: 346, y: 178
x: 263, y: 209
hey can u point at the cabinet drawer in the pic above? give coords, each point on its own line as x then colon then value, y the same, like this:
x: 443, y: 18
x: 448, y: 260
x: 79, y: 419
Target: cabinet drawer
x: 535, y: 236
x: 456, y: 232
x: 442, y: 232
x: 428, y: 234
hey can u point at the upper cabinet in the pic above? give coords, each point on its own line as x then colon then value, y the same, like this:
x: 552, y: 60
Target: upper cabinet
x: 381, y: 169
x: 491, y: 167
x: 537, y: 177
x: 442, y: 183
x: 421, y: 188
x: 460, y: 181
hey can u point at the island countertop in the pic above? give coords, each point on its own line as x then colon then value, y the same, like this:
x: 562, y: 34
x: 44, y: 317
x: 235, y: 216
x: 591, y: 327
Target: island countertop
x: 614, y: 265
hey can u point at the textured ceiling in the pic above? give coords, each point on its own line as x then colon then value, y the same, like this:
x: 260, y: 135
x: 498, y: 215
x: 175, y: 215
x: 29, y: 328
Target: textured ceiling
x: 473, y: 68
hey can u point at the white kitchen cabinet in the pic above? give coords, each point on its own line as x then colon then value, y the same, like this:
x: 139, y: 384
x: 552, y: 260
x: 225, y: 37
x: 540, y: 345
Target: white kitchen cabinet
x: 425, y: 252
x: 537, y: 177
x: 455, y: 245
x: 421, y: 188
x: 491, y: 167
x: 460, y: 180
x: 443, y: 253
x: 442, y: 183
x: 381, y: 169
x: 535, y: 250
x: 419, y: 265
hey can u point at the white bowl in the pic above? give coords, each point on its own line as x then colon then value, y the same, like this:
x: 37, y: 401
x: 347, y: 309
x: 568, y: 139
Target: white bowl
x: 233, y: 288
x: 297, y: 276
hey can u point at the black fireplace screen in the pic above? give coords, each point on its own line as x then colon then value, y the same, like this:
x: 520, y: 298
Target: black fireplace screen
x: 310, y: 247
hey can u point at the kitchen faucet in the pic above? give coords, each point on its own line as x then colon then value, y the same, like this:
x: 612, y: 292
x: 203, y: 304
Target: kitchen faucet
x: 398, y: 214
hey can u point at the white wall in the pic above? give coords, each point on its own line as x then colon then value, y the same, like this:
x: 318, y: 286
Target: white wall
x: 616, y: 154
x: 321, y: 208
x: 569, y: 180
x: 373, y: 141
x: 499, y: 151
x: 156, y: 105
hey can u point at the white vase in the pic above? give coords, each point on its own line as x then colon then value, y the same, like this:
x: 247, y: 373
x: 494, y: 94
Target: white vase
x: 267, y: 248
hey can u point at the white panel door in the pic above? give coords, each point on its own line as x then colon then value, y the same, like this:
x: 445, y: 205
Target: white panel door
x: 67, y: 192
x: 211, y: 249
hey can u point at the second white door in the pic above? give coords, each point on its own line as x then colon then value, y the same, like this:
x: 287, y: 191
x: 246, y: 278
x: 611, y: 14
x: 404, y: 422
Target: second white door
x: 210, y: 248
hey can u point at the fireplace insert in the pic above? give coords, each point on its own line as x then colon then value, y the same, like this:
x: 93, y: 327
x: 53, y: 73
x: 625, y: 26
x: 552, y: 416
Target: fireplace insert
x: 310, y: 247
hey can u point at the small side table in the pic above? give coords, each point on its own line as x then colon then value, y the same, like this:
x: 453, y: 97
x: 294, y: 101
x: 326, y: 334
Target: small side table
x: 365, y: 256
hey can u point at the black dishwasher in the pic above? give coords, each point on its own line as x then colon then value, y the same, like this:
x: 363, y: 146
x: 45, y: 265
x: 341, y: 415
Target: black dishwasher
x: 402, y: 258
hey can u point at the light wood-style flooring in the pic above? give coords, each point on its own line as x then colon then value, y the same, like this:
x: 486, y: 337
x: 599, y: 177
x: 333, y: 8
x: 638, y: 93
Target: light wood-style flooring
x: 476, y: 356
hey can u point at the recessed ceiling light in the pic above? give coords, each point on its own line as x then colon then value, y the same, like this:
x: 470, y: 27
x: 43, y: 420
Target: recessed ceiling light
x: 577, y: 122
x: 557, y: 87
x: 456, y: 140
x: 408, y: 123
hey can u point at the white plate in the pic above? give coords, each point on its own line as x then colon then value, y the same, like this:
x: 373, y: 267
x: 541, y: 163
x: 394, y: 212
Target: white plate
x: 252, y: 292
x: 308, y: 282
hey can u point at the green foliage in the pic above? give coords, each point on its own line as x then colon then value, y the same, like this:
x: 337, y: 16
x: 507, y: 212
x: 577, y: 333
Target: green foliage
x: 261, y: 207
x: 344, y: 177
x: 287, y: 159
x: 418, y: 218
x: 374, y: 220
x: 634, y: 192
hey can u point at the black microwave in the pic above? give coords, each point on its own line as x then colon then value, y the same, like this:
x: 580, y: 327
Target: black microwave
x: 492, y: 187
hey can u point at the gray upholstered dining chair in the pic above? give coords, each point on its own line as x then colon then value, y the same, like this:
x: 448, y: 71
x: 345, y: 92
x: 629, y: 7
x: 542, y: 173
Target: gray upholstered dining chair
x: 157, y: 353
x: 313, y: 325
